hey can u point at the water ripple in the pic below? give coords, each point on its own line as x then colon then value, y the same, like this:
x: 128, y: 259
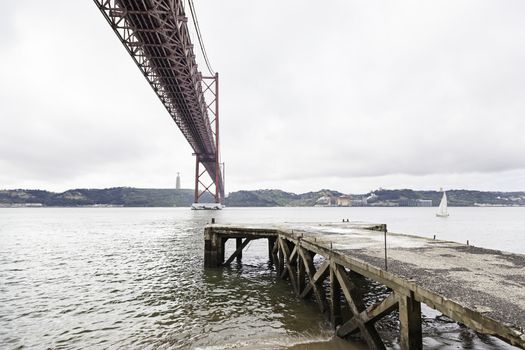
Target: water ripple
x: 133, y: 278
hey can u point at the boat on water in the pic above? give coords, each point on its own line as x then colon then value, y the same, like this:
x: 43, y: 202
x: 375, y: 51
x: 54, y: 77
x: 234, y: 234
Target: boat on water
x: 443, y: 209
x: 207, y: 206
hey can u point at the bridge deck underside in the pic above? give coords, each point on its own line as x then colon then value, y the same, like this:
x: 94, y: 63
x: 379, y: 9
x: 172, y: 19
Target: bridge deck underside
x: 155, y: 34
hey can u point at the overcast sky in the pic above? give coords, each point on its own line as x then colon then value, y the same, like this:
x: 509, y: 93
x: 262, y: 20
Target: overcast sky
x: 351, y: 95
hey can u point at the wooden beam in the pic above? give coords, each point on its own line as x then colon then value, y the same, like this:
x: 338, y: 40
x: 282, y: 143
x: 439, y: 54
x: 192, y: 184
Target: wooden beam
x: 368, y: 331
x: 275, y: 249
x: 372, y: 314
x: 377, y: 311
x: 315, y: 278
x: 293, y: 255
x: 238, y: 251
x: 289, y: 267
x: 275, y: 246
x: 271, y: 244
x: 280, y: 258
x: 349, y: 290
x: 301, y: 275
x: 223, y: 249
x: 411, y: 336
x: 238, y: 244
x: 335, y: 299
x: 291, y: 259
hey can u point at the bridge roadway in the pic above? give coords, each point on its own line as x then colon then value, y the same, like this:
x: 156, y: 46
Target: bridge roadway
x: 481, y: 288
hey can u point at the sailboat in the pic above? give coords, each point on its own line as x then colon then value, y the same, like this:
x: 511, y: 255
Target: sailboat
x: 442, y: 210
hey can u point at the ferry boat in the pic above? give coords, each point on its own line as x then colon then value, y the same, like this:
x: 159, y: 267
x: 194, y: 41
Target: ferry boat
x: 207, y: 206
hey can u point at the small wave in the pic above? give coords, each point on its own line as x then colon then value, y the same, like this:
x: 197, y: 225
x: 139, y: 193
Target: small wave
x: 306, y: 341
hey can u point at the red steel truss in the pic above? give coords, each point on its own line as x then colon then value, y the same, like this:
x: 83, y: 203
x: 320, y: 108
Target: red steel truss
x: 155, y: 34
x: 211, y: 92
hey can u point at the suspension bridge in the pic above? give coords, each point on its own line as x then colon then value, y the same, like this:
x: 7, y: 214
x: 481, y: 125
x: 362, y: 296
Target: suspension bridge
x: 438, y: 273
x: 155, y: 34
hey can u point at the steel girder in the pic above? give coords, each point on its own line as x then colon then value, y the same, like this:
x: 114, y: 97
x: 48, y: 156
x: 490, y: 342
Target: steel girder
x: 155, y: 34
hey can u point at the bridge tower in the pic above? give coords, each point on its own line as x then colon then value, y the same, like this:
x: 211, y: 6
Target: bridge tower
x: 216, y: 187
x: 156, y: 35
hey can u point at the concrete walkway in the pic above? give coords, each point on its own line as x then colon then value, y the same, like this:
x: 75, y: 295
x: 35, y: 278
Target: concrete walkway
x: 482, y: 288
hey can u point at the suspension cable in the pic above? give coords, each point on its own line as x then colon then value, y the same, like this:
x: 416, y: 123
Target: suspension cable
x: 199, y: 36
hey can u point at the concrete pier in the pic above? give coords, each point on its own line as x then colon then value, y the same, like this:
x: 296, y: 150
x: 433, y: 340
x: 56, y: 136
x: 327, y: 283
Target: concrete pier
x: 481, y: 288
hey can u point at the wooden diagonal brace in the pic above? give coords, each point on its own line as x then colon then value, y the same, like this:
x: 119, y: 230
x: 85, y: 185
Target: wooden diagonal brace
x: 290, y: 257
x: 371, y: 314
x: 289, y: 266
x: 368, y: 331
x: 237, y: 252
x: 315, y: 278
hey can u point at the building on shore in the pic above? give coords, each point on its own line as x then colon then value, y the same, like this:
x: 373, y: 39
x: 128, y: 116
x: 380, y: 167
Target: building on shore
x: 359, y: 201
x: 177, y: 185
x: 324, y: 201
x: 343, y: 201
x: 424, y: 202
x: 415, y: 202
x: 351, y: 201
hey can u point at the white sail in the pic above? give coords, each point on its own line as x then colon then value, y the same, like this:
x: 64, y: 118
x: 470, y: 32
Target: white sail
x: 442, y: 210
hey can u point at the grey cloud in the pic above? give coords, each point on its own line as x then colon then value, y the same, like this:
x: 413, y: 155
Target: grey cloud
x: 347, y: 94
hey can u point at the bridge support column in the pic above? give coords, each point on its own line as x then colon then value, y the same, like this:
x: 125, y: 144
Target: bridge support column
x: 238, y: 244
x: 410, y: 337
x: 223, y: 249
x: 271, y: 244
x: 280, y: 254
x: 213, y: 249
x: 301, y: 272
x: 336, y: 318
x: 210, y: 161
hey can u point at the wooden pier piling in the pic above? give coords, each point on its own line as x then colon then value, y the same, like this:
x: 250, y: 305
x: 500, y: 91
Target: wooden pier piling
x: 410, y: 322
x: 419, y: 270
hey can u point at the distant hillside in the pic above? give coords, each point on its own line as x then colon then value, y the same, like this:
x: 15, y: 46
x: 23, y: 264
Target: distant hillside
x: 276, y: 198
x: 141, y: 197
x: 119, y: 196
x: 382, y: 197
x: 457, y: 198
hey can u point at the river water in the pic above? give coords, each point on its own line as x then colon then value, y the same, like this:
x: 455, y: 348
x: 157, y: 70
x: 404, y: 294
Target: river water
x: 134, y: 278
